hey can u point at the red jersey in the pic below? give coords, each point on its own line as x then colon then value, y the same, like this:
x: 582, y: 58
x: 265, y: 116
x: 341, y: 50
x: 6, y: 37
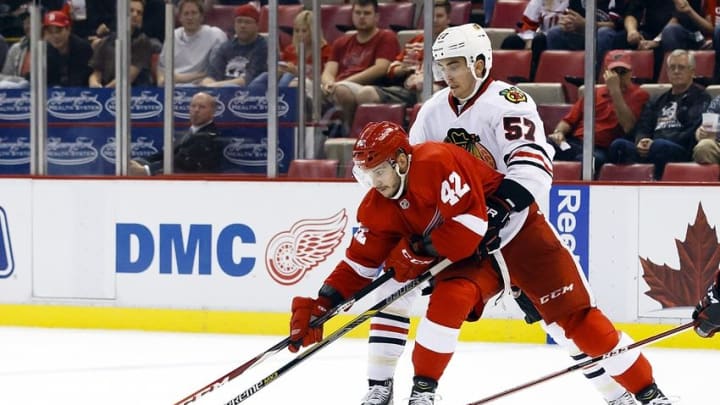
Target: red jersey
x: 607, y: 128
x: 353, y: 57
x: 444, y: 197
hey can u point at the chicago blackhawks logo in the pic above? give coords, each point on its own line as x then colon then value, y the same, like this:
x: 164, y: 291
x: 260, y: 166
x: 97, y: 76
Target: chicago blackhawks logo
x: 514, y: 95
x: 471, y: 143
x: 291, y: 254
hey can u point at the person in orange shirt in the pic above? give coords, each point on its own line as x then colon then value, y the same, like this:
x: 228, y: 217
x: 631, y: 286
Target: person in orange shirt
x: 618, y: 105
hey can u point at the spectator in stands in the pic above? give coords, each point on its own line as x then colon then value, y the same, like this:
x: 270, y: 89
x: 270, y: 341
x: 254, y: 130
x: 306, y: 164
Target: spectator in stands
x: 103, y: 60
x: 3, y: 50
x: 16, y: 70
x: 240, y: 60
x: 539, y: 16
x: 666, y: 128
x: 707, y: 149
x: 193, y: 43
x: 569, y: 33
x: 68, y: 55
x: 664, y: 25
x: 358, y: 59
x: 302, y: 34
x: 712, y: 8
x: 405, y: 73
x: 199, y: 150
x: 618, y: 104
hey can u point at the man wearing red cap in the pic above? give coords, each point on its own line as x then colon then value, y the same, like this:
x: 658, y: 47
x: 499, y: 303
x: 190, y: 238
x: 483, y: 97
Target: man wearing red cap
x: 618, y: 105
x: 68, y: 55
x: 240, y: 60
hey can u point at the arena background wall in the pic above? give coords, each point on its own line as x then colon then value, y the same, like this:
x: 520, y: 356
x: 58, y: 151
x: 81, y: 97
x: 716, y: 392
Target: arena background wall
x: 228, y: 256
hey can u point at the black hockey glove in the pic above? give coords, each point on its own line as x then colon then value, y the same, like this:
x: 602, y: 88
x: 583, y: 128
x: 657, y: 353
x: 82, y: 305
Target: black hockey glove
x: 707, y: 311
x: 498, y: 214
x: 509, y: 197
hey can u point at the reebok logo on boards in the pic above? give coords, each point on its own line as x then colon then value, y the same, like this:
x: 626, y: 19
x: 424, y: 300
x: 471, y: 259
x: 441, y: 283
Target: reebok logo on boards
x: 7, y: 263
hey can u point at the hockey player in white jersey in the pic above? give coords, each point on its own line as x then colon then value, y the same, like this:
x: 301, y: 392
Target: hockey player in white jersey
x: 498, y: 123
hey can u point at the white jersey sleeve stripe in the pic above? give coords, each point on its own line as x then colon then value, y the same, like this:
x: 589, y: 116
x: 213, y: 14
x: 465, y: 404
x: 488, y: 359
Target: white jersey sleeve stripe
x: 473, y: 223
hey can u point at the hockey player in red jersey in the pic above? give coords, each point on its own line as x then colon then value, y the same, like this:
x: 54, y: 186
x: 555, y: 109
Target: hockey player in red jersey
x: 431, y: 200
x: 499, y: 124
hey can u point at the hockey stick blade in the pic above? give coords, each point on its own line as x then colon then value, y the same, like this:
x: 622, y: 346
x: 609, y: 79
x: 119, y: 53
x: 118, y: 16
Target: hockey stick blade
x: 578, y: 366
x: 411, y: 285
x: 343, y: 306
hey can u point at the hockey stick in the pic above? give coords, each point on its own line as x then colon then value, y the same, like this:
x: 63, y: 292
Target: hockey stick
x: 411, y: 285
x: 586, y: 363
x: 343, y: 306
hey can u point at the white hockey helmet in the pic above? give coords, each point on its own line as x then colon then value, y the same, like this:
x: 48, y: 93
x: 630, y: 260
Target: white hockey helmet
x: 468, y: 41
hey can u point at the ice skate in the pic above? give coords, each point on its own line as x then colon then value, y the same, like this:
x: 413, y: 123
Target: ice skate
x: 423, y: 391
x: 379, y: 393
x: 652, y: 395
x: 625, y: 399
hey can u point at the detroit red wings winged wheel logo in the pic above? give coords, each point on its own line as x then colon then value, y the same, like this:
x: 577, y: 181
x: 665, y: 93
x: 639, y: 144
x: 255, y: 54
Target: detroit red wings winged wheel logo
x: 308, y: 243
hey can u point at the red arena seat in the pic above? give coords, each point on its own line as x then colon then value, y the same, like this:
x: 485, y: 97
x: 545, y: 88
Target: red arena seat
x: 511, y: 66
x: 690, y: 171
x: 630, y: 172
x: 376, y: 112
x: 566, y: 171
x: 313, y: 169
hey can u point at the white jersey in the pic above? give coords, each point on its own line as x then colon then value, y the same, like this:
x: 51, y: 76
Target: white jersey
x: 511, y: 136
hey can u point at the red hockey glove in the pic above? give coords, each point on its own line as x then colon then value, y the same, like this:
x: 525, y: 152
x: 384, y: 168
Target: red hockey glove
x: 304, y: 310
x: 407, y: 262
x: 707, y: 311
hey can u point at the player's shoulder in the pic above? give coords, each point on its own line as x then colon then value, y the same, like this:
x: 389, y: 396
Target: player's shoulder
x: 506, y: 96
x: 439, y: 98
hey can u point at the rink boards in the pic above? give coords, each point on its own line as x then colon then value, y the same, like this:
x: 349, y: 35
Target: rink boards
x: 228, y: 256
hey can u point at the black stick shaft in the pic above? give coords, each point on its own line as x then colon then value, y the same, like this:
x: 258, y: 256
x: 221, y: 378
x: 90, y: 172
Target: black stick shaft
x: 286, y: 342
x: 411, y: 285
x: 586, y: 363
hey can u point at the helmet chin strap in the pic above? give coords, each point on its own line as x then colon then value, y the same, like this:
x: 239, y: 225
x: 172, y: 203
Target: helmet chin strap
x: 478, y: 83
x: 403, y: 178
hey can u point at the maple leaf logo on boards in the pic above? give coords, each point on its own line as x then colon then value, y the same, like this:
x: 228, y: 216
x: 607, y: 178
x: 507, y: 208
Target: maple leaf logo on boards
x: 699, y: 256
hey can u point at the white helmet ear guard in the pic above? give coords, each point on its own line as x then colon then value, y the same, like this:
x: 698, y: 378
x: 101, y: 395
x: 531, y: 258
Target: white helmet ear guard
x: 467, y: 41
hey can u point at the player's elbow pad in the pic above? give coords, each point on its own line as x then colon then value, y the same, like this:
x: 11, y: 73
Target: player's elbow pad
x: 514, y: 194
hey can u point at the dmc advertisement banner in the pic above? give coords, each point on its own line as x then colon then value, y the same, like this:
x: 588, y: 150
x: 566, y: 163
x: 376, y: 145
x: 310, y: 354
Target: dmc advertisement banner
x: 81, y: 128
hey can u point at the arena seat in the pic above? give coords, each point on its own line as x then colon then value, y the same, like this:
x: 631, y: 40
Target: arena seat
x: 655, y: 89
x: 285, y: 18
x: 375, y: 112
x: 411, y: 114
x: 691, y: 171
x: 553, y: 66
x: 507, y: 14
x: 223, y: 17
x: 313, y: 169
x: 511, y: 66
x: 397, y: 15
x: 629, y: 172
x: 404, y: 36
x: 567, y: 171
x: 544, y: 93
x: 551, y: 114
x: 333, y: 16
x: 498, y: 35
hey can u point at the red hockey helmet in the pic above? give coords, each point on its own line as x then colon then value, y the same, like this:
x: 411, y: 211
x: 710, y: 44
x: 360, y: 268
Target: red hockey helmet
x: 380, y: 142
